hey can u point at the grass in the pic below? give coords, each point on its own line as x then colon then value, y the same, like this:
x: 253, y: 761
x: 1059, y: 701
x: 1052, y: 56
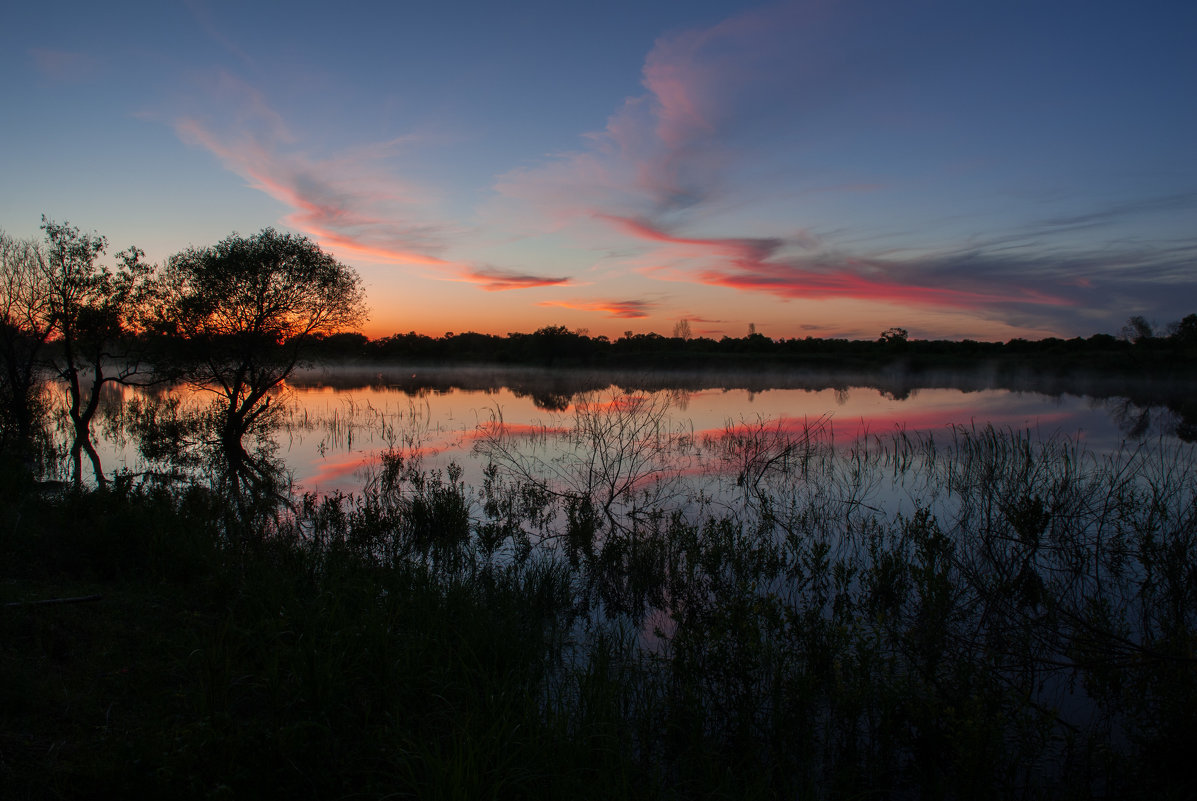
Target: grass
x: 1024, y: 625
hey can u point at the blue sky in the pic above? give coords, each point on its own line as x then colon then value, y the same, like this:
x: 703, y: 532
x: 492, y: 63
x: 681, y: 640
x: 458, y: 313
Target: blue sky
x: 815, y: 168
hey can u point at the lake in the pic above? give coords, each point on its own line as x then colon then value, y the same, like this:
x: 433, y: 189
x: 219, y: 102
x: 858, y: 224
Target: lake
x: 806, y: 554
x: 336, y: 422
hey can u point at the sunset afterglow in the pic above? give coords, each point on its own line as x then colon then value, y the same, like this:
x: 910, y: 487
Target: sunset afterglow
x: 822, y: 169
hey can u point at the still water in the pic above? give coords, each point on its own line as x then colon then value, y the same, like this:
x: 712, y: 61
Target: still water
x: 1045, y: 529
x: 336, y: 423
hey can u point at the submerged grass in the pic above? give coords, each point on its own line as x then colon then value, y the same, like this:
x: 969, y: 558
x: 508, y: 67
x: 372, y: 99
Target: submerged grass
x: 986, y: 617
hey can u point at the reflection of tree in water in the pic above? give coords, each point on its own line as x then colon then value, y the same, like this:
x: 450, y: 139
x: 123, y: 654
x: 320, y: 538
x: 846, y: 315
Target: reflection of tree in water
x: 245, y: 309
x: 1133, y: 421
x: 551, y: 401
x: 1136, y: 420
x: 180, y: 438
x: 680, y: 398
x: 257, y: 488
x: 899, y: 392
x: 1186, y: 419
x: 550, y: 391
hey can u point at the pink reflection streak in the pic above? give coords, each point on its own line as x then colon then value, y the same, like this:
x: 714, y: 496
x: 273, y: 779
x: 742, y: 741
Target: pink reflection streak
x: 629, y: 402
x: 332, y: 472
x: 523, y: 430
x: 881, y: 424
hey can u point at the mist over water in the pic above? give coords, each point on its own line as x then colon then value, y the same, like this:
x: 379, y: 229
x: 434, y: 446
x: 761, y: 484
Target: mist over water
x: 332, y: 424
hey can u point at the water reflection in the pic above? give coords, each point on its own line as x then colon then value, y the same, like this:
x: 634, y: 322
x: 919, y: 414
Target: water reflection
x: 329, y: 427
x: 823, y: 556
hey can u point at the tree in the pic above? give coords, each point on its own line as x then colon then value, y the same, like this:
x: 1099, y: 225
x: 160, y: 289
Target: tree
x: 681, y: 329
x: 1137, y: 329
x: 1186, y: 331
x: 247, y: 306
x: 92, y: 310
x: 25, y: 324
x: 894, y: 336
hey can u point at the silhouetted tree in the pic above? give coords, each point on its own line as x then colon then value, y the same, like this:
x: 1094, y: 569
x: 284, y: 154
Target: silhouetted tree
x: 1137, y: 329
x: 554, y: 342
x: 1186, y: 331
x: 92, y: 309
x: 248, y: 306
x: 25, y: 319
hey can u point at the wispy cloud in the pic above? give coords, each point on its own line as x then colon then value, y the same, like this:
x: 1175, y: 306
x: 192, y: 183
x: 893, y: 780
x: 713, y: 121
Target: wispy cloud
x: 203, y: 15
x: 667, y: 189
x: 706, y: 326
x: 351, y: 202
x: 737, y: 249
x: 669, y: 149
x: 616, y: 309
x: 1117, y: 212
x: 874, y: 281
x: 63, y: 66
x: 769, y: 265
x: 348, y: 201
x: 500, y: 280
x: 660, y: 167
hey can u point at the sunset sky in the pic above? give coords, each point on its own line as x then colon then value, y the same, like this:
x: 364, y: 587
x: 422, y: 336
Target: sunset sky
x: 961, y: 169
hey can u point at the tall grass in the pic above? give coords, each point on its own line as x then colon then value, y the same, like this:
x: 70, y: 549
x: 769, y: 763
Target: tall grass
x: 984, y: 614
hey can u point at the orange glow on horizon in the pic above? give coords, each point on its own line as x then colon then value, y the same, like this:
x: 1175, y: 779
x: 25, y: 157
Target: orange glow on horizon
x: 430, y: 322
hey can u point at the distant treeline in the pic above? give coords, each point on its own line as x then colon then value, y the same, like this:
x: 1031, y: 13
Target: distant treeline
x: 556, y: 346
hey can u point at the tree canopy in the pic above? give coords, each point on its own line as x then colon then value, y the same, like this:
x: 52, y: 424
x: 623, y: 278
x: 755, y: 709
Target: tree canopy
x: 248, y: 306
x: 25, y: 325
x: 94, y: 311
x: 265, y: 288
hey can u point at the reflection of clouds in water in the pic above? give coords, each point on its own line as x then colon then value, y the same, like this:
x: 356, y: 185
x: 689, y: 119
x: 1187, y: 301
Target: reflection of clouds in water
x: 336, y: 423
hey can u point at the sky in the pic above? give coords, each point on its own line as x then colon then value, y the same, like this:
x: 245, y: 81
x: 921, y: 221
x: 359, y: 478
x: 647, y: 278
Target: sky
x: 816, y: 168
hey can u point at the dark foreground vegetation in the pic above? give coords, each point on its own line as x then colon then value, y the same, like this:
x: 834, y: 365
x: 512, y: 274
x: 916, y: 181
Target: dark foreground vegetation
x: 1023, y: 623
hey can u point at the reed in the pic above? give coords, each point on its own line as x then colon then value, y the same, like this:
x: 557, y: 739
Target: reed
x: 985, y: 614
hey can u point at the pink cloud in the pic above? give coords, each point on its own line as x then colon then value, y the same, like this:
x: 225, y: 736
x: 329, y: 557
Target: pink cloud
x: 669, y: 148
x: 794, y: 281
x: 697, y: 77
x: 345, y: 203
x: 351, y: 202
x: 665, y: 153
x: 616, y: 309
x: 500, y: 280
x: 755, y: 264
x: 743, y: 249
